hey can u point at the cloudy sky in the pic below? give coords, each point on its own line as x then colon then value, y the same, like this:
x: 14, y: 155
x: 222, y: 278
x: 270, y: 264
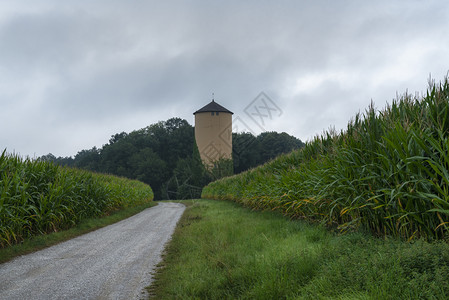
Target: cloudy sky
x: 73, y: 73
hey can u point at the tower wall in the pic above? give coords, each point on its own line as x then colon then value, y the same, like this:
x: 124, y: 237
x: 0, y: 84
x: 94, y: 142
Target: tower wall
x: 213, y: 135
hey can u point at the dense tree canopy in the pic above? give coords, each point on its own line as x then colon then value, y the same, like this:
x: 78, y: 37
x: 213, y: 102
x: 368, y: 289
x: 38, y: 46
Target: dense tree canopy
x: 165, y: 156
x: 249, y: 151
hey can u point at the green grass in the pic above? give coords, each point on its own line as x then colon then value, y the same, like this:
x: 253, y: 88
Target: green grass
x: 223, y: 251
x: 387, y: 173
x: 87, y: 225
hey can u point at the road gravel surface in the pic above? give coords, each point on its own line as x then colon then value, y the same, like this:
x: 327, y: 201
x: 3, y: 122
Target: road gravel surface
x: 114, y: 262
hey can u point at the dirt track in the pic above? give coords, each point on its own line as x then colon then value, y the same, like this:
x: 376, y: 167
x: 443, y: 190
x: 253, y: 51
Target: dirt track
x: 114, y: 262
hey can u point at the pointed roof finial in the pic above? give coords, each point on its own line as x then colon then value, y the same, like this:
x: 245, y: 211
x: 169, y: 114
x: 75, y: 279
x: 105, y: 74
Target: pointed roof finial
x: 213, y: 107
x: 213, y: 97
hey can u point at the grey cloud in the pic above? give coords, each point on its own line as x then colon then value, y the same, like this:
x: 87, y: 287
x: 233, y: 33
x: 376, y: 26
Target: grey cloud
x: 88, y: 63
x: 53, y: 40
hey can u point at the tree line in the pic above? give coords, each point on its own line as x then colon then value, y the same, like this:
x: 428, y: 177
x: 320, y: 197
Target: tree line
x: 164, y: 155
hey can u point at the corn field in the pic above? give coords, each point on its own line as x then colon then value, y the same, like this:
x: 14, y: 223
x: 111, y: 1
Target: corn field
x: 387, y: 172
x: 38, y: 197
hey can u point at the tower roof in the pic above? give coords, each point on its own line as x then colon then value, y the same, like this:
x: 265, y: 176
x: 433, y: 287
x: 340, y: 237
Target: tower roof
x: 213, y: 107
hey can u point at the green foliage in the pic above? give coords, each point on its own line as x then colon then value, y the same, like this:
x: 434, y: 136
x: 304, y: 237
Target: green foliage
x: 387, y: 173
x: 161, y: 155
x: 249, y: 151
x: 222, y: 168
x: 189, y: 177
x: 221, y: 251
x: 38, y: 197
x: 150, y: 154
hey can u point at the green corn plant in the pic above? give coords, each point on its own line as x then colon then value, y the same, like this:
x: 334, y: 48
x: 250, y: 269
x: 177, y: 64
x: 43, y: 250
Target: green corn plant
x: 387, y: 173
x: 38, y: 197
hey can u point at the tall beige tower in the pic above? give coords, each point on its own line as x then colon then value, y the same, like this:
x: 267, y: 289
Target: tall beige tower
x: 213, y: 132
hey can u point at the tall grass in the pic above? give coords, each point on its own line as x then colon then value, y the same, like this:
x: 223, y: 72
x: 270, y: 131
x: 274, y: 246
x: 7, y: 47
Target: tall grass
x: 38, y: 197
x: 388, y: 172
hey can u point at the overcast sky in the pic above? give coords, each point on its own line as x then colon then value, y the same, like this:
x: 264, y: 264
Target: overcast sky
x: 73, y: 73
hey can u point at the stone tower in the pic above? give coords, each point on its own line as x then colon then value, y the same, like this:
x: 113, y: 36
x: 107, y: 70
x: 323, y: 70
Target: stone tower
x: 213, y: 133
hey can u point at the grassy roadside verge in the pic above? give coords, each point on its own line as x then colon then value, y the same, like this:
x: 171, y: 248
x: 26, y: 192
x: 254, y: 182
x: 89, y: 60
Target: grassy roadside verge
x: 221, y: 250
x: 40, y: 242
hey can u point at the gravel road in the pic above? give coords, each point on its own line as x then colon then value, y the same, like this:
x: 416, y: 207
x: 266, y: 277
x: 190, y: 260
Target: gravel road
x: 114, y: 262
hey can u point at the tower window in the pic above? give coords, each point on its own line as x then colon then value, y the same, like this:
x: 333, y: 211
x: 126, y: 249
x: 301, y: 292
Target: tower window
x: 217, y: 113
x: 211, y: 113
